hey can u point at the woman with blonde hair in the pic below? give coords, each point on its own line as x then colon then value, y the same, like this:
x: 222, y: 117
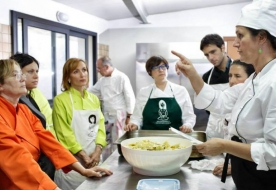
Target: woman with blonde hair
x: 78, y: 121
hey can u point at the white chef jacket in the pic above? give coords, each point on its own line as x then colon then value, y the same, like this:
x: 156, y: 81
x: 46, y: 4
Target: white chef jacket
x: 172, y: 90
x: 116, y: 93
x: 253, y: 108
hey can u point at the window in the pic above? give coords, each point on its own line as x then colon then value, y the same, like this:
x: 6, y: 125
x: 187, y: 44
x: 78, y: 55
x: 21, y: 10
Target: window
x: 52, y: 43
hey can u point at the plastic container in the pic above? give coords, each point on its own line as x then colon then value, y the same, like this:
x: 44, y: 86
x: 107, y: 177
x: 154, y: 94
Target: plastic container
x: 158, y: 184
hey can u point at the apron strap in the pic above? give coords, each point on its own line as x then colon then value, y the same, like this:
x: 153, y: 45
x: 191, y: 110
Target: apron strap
x: 150, y: 94
x: 209, y: 78
x: 152, y: 90
x: 226, y: 161
x: 225, y: 167
x: 71, y: 98
x: 172, y: 91
x: 229, y: 61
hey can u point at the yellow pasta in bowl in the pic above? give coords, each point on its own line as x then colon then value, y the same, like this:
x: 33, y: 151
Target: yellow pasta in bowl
x: 156, y: 156
x: 154, y: 146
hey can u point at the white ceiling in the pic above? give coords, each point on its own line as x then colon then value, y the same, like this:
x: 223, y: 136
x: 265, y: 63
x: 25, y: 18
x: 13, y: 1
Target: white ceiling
x: 120, y: 9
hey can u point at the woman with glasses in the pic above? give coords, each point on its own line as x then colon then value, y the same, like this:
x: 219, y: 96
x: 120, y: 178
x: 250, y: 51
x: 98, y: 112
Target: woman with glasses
x: 78, y: 121
x: 36, y: 102
x: 162, y: 104
x: 23, y: 139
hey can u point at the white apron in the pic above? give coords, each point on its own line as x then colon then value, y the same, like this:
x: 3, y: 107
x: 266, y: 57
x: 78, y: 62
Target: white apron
x: 114, y: 114
x: 116, y: 123
x: 214, y: 128
x: 85, y: 124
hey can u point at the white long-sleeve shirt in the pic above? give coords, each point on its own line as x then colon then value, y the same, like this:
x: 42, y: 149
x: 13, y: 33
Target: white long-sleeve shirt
x: 179, y: 92
x: 116, y: 93
x: 253, y: 108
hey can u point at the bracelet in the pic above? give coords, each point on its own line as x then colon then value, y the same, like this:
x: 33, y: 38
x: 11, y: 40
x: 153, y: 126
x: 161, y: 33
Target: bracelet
x: 100, y: 146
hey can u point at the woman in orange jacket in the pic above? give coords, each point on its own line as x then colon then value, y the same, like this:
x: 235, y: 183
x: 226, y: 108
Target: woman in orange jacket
x: 23, y: 138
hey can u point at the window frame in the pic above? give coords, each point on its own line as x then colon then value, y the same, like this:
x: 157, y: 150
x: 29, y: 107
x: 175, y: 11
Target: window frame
x: 28, y: 20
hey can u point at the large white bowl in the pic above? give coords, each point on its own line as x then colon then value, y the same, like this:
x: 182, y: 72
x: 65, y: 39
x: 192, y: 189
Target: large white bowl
x: 157, y: 163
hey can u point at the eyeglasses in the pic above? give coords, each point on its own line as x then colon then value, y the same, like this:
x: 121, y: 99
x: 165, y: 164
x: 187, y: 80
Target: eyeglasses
x: 19, y: 76
x: 162, y: 67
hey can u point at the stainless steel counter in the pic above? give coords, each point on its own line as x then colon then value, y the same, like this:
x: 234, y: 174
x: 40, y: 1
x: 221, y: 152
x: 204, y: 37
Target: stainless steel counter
x: 124, y: 178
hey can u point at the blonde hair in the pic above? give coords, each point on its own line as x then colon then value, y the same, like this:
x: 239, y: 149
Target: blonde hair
x: 69, y: 66
x: 6, y: 68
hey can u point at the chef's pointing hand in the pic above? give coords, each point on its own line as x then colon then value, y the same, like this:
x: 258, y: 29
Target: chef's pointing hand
x: 184, y: 65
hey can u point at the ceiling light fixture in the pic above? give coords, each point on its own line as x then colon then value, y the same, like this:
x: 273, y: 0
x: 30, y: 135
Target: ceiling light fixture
x: 62, y: 17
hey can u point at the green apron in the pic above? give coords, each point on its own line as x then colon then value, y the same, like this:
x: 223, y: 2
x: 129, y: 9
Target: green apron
x: 161, y: 114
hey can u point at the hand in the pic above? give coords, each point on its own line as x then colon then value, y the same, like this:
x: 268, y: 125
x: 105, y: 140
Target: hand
x: 95, y: 158
x: 218, y: 170
x: 184, y: 65
x: 130, y: 127
x: 86, y: 160
x: 212, y: 147
x: 96, y: 171
x: 185, y: 129
x: 127, y: 121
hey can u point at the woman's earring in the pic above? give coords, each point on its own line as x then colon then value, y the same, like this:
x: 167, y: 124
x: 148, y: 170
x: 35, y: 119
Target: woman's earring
x: 260, y: 50
x: 69, y: 81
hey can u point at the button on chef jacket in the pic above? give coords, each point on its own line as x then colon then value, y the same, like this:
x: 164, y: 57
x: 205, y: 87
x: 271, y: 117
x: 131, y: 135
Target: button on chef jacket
x: 253, y: 106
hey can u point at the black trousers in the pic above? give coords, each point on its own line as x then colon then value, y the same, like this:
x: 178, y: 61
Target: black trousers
x: 247, y: 177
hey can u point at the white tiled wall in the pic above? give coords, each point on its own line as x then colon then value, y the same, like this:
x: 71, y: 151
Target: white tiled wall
x: 5, y: 41
x: 103, y: 50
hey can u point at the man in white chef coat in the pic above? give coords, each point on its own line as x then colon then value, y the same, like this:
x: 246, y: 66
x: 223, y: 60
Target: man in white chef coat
x: 213, y: 47
x: 116, y: 92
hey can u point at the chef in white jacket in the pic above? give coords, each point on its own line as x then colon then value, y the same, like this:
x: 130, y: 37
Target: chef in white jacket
x: 162, y: 104
x: 238, y: 73
x: 253, y: 103
x: 116, y: 92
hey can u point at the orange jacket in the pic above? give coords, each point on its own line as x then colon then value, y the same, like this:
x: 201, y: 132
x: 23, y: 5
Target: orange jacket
x: 22, y: 138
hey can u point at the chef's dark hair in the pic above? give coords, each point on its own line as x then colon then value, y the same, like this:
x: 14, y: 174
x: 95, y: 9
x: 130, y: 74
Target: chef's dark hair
x: 211, y: 39
x: 24, y: 59
x: 248, y: 68
x: 271, y: 39
x: 155, y: 61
